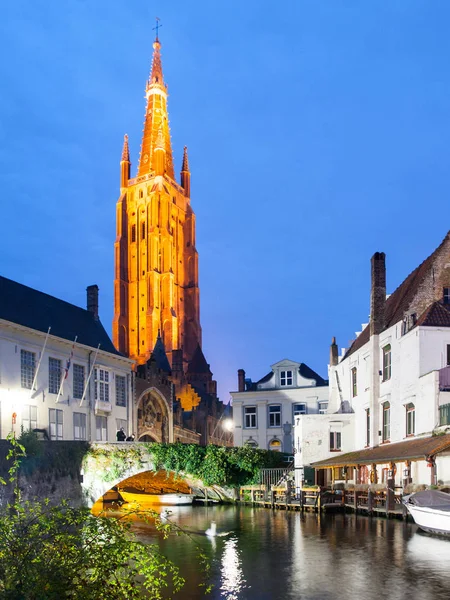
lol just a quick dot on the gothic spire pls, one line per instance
(156, 75)
(125, 150)
(185, 174)
(156, 123)
(185, 165)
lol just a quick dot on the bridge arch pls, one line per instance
(154, 417)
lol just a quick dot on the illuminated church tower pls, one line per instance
(156, 262)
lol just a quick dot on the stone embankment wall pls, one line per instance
(81, 473)
(51, 470)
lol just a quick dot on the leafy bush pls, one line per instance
(215, 465)
(50, 553)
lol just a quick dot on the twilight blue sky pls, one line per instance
(317, 131)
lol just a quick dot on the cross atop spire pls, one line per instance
(157, 26)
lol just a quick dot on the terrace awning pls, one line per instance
(415, 449)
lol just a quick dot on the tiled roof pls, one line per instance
(436, 315)
(25, 306)
(399, 301)
(308, 373)
(266, 378)
(415, 449)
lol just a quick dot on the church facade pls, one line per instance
(156, 290)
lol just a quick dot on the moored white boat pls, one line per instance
(430, 510)
(144, 499)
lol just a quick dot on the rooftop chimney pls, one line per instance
(241, 380)
(378, 293)
(92, 300)
(334, 353)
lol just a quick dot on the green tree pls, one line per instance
(49, 553)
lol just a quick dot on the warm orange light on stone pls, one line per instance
(156, 262)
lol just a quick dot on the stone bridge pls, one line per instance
(81, 472)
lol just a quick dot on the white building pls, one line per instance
(264, 411)
(396, 378)
(59, 371)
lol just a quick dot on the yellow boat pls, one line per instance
(142, 498)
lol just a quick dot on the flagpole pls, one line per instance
(66, 370)
(39, 363)
(89, 377)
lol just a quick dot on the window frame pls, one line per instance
(57, 425)
(335, 441)
(387, 362)
(277, 445)
(249, 414)
(386, 422)
(54, 374)
(285, 378)
(27, 368)
(354, 375)
(81, 426)
(103, 430)
(446, 295)
(296, 413)
(444, 415)
(102, 381)
(368, 427)
(321, 403)
(28, 408)
(76, 383)
(123, 401)
(275, 414)
(410, 411)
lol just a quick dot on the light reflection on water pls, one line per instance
(269, 555)
(232, 576)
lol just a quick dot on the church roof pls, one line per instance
(198, 363)
(400, 300)
(159, 356)
(28, 307)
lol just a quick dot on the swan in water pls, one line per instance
(164, 514)
(211, 531)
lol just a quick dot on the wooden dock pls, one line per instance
(385, 503)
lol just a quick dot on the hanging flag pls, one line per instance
(69, 360)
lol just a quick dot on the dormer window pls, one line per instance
(446, 295)
(285, 378)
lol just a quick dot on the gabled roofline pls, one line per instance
(69, 343)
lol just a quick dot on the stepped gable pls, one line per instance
(400, 300)
(28, 307)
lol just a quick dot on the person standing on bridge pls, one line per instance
(121, 435)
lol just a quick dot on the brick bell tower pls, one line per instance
(156, 262)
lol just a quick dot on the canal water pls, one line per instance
(260, 554)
